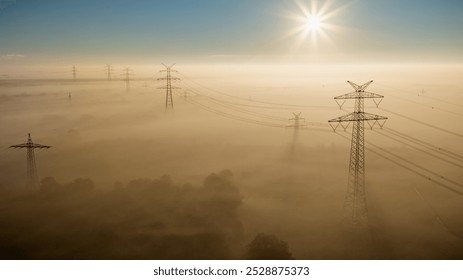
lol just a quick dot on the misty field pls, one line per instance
(125, 179)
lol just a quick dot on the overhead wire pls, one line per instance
(429, 146)
(418, 166)
(231, 106)
(234, 117)
(432, 209)
(419, 149)
(419, 103)
(244, 119)
(253, 101)
(423, 123)
(235, 108)
(447, 187)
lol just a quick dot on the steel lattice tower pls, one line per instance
(298, 123)
(74, 72)
(169, 87)
(355, 202)
(108, 70)
(31, 166)
(127, 71)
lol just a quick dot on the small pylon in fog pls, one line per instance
(31, 166)
(127, 73)
(168, 78)
(298, 121)
(74, 72)
(184, 95)
(108, 70)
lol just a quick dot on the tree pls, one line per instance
(268, 247)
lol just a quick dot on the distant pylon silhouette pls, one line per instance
(298, 123)
(355, 206)
(108, 70)
(74, 72)
(169, 87)
(127, 74)
(31, 166)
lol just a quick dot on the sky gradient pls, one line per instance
(122, 31)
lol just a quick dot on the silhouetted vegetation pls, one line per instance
(268, 247)
(146, 219)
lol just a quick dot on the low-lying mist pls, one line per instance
(126, 179)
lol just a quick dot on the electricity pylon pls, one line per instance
(127, 78)
(298, 123)
(168, 78)
(74, 72)
(108, 70)
(355, 207)
(31, 167)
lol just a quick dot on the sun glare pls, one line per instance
(313, 23)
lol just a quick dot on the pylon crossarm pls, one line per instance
(372, 117)
(41, 147)
(367, 94)
(33, 146)
(171, 87)
(356, 95)
(171, 78)
(360, 87)
(354, 85)
(359, 116)
(350, 95)
(365, 85)
(20, 146)
(346, 118)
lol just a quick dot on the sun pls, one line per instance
(313, 23)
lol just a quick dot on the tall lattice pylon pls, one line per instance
(355, 206)
(31, 166)
(168, 78)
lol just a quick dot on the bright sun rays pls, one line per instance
(314, 23)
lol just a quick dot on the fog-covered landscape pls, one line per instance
(231, 130)
(126, 179)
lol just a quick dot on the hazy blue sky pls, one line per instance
(113, 30)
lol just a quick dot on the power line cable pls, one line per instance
(424, 123)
